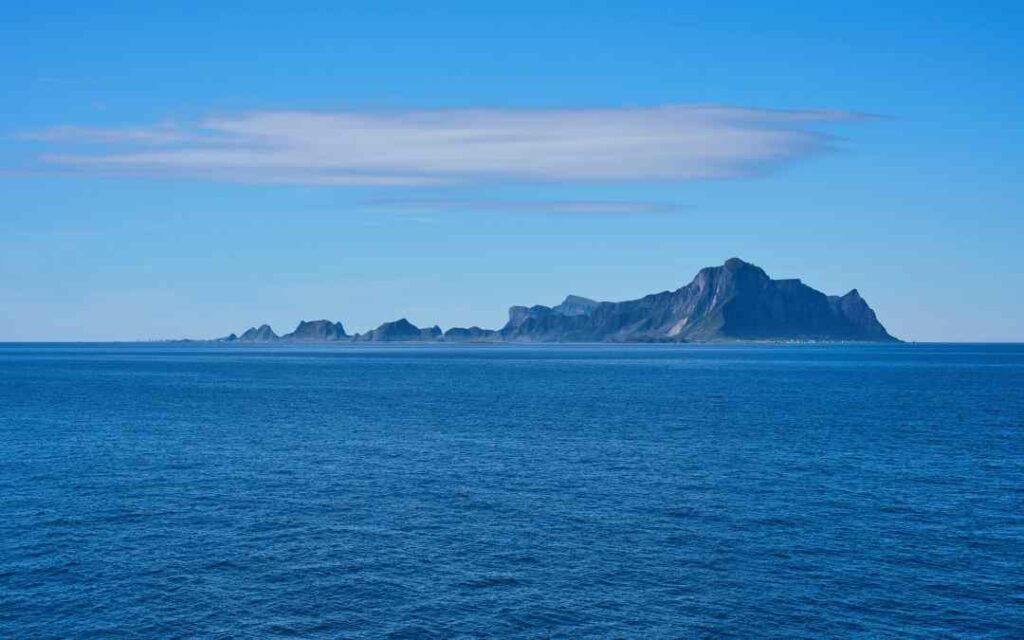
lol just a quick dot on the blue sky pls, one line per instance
(196, 170)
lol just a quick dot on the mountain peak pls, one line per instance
(263, 334)
(401, 330)
(317, 330)
(576, 306)
(734, 272)
(734, 301)
(574, 299)
(735, 265)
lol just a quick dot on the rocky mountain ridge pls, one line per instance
(736, 301)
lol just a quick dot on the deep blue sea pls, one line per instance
(193, 491)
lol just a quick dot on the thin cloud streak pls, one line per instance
(537, 206)
(156, 135)
(453, 146)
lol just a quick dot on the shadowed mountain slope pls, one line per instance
(735, 301)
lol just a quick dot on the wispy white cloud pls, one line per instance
(539, 206)
(451, 146)
(155, 135)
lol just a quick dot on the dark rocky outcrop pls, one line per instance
(736, 301)
(317, 331)
(263, 334)
(401, 331)
(462, 334)
(431, 333)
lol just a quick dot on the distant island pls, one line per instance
(733, 302)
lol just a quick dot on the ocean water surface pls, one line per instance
(805, 491)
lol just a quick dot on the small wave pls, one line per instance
(490, 581)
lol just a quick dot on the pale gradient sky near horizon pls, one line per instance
(192, 171)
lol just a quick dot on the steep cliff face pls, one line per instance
(855, 309)
(317, 331)
(736, 301)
